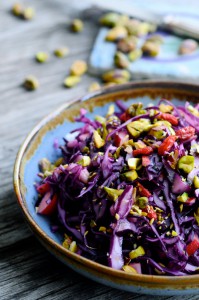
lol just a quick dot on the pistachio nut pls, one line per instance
(28, 13)
(135, 54)
(31, 83)
(127, 44)
(77, 25)
(187, 47)
(98, 141)
(156, 38)
(42, 57)
(17, 10)
(121, 60)
(137, 252)
(150, 49)
(78, 68)
(61, 52)
(94, 86)
(116, 33)
(113, 194)
(116, 76)
(186, 163)
(71, 81)
(109, 19)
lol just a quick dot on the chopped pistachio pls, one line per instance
(95, 86)
(130, 175)
(61, 52)
(109, 19)
(137, 252)
(156, 38)
(121, 60)
(183, 198)
(150, 49)
(196, 182)
(133, 163)
(42, 57)
(67, 241)
(135, 54)
(117, 216)
(196, 215)
(186, 163)
(28, 13)
(129, 269)
(158, 133)
(71, 81)
(31, 83)
(136, 109)
(102, 228)
(127, 44)
(73, 247)
(98, 141)
(174, 233)
(193, 110)
(116, 76)
(77, 25)
(85, 161)
(17, 9)
(165, 108)
(113, 194)
(78, 68)
(116, 33)
(132, 27)
(142, 202)
(181, 207)
(137, 127)
(188, 46)
(111, 110)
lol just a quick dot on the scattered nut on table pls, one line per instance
(42, 57)
(78, 68)
(71, 81)
(188, 46)
(77, 25)
(116, 76)
(61, 52)
(31, 83)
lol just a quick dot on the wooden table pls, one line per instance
(27, 270)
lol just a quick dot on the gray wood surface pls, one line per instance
(27, 270)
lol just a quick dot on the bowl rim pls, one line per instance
(163, 279)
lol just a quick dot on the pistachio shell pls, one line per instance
(150, 49)
(77, 25)
(61, 52)
(135, 54)
(95, 86)
(42, 57)
(109, 19)
(31, 83)
(28, 13)
(121, 60)
(188, 46)
(78, 68)
(17, 9)
(127, 44)
(116, 33)
(116, 76)
(71, 81)
(156, 38)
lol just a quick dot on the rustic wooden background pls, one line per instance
(27, 270)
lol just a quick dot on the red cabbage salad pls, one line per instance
(125, 191)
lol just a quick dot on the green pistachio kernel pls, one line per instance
(133, 163)
(121, 60)
(137, 252)
(17, 10)
(157, 132)
(85, 161)
(186, 163)
(130, 175)
(71, 81)
(31, 83)
(61, 52)
(116, 33)
(109, 19)
(116, 76)
(150, 49)
(73, 247)
(137, 127)
(183, 198)
(142, 202)
(196, 182)
(98, 141)
(28, 13)
(113, 194)
(42, 57)
(135, 54)
(136, 109)
(44, 165)
(77, 25)
(129, 269)
(78, 68)
(174, 233)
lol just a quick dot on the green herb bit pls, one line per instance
(186, 163)
(77, 25)
(137, 252)
(61, 52)
(113, 194)
(31, 83)
(71, 81)
(42, 57)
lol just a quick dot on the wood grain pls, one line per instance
(27, 271)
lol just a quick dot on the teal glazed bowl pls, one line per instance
(39, 144)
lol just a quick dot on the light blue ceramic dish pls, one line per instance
(39, 144)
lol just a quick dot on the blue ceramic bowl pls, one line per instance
(39, 144)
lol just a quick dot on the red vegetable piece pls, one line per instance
(43, 188)
(167, 145)
(145, 161)
(120, 138)
(193, 246)
(143, 191)
(185, 133)
(143, 151)
(168, 117)
(151, 214)
(124, 117)
(47, 205)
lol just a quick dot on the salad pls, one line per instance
(125, 191)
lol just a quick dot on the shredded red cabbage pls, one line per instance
(125, 191)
